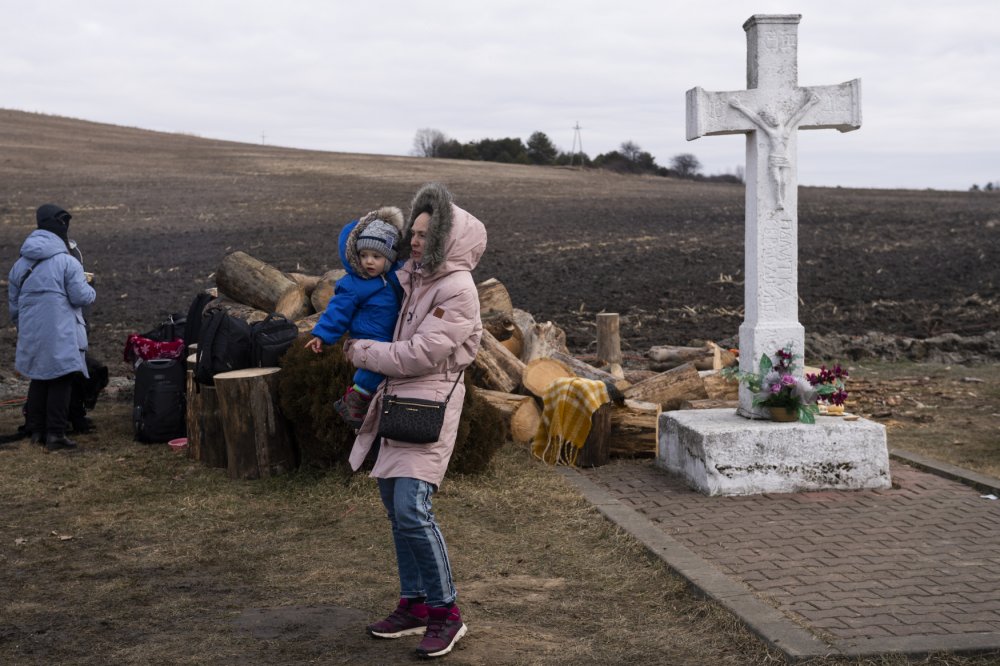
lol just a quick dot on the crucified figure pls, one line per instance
(777, 134)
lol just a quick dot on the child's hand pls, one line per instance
(315, 345)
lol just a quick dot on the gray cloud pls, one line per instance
(363, 77)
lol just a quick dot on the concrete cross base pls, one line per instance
(721, 453)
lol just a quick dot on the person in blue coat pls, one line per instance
(47, 291)
(366, 301)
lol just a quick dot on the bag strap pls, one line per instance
(454, 385)
(32, 267)
(214, 322)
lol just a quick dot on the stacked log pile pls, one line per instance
(517, 360)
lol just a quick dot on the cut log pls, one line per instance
(634, 375)
(502, 327)
(307, 282)
(494, 301)
(595, 451)
(495, 367)
(254, 282)
(247, 313)
(542, 341)
(541, 372)
(634, 429)
(258, 441)
(192, 411)
(668, 389)
(615, 370)
(307, 324)
(708, 357)
(206, 442)
(609, 342)
(323, 291)
(515, 342)
(587, 371)
(718, 387)
(522, 412)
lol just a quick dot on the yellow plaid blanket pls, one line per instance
(569, 406)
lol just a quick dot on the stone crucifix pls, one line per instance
(769, 112)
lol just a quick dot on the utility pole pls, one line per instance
(577, 145)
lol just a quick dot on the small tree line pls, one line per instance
(539, 149)
(988, 187)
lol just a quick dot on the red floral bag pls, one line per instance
(139, 348)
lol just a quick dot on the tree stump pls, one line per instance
(206, 442)
(258, 440)
(609, 342)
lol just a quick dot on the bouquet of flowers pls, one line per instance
(775, 385)
(835, 377)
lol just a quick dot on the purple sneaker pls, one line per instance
(409, 619)
(444, 628)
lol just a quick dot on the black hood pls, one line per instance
(53, 218)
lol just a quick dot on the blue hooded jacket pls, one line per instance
(46, 304)
(364, 307)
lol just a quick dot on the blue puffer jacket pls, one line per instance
(47, 308)
(364, 307)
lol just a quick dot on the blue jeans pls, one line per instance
(421, 555)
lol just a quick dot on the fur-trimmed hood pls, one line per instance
(350, 258)
(456, 240)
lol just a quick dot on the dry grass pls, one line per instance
(132, 554)
(948, 412)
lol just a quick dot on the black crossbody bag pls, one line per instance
(413, 420)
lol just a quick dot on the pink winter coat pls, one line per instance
(438, 336)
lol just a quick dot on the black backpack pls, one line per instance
(160, 402)
(170, 329)
(192, 323)
(223, 345)
(270, 339)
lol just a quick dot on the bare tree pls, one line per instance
(428, 142)
(685, 165)
(630, 150)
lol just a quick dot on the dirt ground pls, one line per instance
(168, 562)
(155, 214)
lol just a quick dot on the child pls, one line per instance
(366, 301)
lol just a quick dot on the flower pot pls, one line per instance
(784, 414)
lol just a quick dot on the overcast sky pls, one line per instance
(365, 75)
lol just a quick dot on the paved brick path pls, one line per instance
(914, 569)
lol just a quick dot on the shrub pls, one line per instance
(482, 430)
(310, 383)
(307, 388)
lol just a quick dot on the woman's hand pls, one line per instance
(315, 345)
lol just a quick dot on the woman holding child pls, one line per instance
(437, 337)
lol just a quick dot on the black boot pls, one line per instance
(60, 443)
(82, 425)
